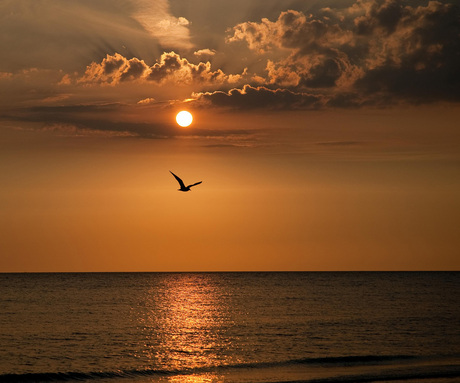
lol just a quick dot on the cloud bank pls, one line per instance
(374, 52)
(116, 68)
(113, 120)
(260, 97)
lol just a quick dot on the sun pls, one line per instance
(184, 118)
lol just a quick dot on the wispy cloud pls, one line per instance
(114, 120)
(155, 16)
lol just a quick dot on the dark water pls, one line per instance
(230, 327)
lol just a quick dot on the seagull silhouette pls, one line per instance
(182, 185)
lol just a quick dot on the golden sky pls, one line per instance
(325, 133)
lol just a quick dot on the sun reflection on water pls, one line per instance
(184, 321)
(202, 378)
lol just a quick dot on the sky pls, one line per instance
(326, 135)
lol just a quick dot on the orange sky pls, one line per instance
(333, 153)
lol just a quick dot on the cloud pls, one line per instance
(6, 75)
(375, 51)
(114, 120)
(79, 130)
(314, 58)
(30, 86)
(146, 101)
(292, 30)
(155, 16)
(114, 69)
(205, 52)
(57, 35)
(171, 67)
(416, 54)
(85, 120)
(259, 97)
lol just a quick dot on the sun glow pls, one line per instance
(184, 118)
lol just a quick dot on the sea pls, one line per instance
(249, 327)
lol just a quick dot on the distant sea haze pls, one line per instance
(230, 327)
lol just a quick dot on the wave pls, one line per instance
(436, 368)
(423, 373)
(338, 361)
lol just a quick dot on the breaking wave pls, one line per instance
(398, 368)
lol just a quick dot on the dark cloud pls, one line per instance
(107, 120)
(421, 57)
(84, 120)
(348, 100)
(260, 97)
(385, 16)
(374, 52)
(324, 75)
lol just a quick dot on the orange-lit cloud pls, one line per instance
(170, 68)
(204, 52)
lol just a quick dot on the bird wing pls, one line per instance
(181, 183)
(189, 186)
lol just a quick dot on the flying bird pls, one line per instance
(182, 185)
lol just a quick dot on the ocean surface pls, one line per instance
(230, 327)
